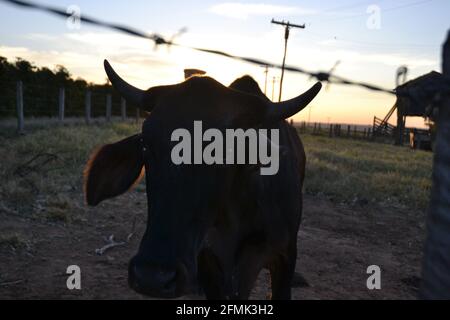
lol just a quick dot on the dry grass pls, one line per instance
(344, 170)
(51, 187)
(13, 240)
(363, 172)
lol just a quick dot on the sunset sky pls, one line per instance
(410, 33)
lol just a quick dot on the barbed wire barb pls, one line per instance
(160, 40)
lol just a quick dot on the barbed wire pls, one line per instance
(160, 40)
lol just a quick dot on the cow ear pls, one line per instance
(113, 169)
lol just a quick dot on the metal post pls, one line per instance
(436, 264)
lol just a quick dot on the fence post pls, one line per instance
(62, 97)
(348, 131)
(88, 106)
(123, 108)
(138, 115)
(108, 107)
(369, 133)
(435, 270)
(19, 107)
(355, 133)
(315, 128)
(331, 131)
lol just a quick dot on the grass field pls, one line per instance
(343, 170)
(364, 204)
(362, 172)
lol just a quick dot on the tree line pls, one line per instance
(41, 91)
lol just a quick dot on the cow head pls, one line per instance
(184, 201)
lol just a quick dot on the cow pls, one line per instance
(210, 228)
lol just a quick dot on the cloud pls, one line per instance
(243, 11)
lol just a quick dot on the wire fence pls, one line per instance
(436, 271)
(50, 106)
(160, 40)
(30, 101)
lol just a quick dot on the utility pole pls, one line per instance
(266, 72)
(309, 114)
(287, 26)
(274, 80)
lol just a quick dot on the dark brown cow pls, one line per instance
(213, 226)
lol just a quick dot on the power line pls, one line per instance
(159, 40)
(375, 44)
(287, 27)
(384, 10)
(349, 6)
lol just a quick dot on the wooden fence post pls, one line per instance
(138, 115)
(123, 109)
(87, 103)
(19, 107)
(108, 107)
(331, 131)
(436, 263)
(348, 131)
(62, 98)
(315, 128)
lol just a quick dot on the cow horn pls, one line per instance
(131, 94)
(286, 109)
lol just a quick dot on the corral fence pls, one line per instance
(351, 131)
(333, 130)
(89, 105)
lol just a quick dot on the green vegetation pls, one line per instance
(12, 240)
(41, 91)
(354, 171)
(41, 172)
(350, 171)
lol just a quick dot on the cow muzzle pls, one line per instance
(157, 281)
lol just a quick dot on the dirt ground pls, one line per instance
(336, 245)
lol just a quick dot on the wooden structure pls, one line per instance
(414, 98)
(420, 139)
